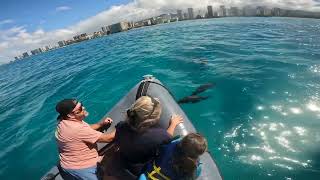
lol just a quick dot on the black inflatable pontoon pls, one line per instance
(152, 87)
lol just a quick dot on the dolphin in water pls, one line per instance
(192, 99)
(203, 88)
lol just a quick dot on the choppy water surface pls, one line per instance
(262, 119)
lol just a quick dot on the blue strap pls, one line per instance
(199, 168)
(142, 177)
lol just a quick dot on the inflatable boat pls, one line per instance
(152, 87)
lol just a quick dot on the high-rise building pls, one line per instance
(210, 12)
(47, 48)
(106, 30)
(223, 11)
(81, 37)
(263, 11)
(36, 51)
(190, 13)
(248, 11)
(276, 12)
(234, 11)
(25, 54)
(180, 17)
(185, 15)
(62, 43)
(119, 27)
(267, 11)
(260, 11)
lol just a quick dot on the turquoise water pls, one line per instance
(262, 119)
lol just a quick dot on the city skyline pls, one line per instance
(17, 38)
(220, 12)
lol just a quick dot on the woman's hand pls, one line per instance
(175, 120)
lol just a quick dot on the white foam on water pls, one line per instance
(234, 132)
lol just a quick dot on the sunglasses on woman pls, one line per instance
(155, 103)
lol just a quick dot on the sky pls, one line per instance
(30, 24)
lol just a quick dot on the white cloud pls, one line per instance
(16, 40)
(6, 21)
(63, 8)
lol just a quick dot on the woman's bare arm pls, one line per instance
(175, 120)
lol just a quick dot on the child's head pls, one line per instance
(193, 145)
(187, 154)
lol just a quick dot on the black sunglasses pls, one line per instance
(80, 109)
(155, 104)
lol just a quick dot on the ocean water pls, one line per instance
(262, 119)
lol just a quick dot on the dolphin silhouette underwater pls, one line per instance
(194, 98)
(203, 88)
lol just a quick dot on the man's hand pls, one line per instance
(102, 123)
(106, 121)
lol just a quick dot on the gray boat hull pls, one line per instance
(209, 170)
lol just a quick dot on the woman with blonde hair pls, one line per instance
(140, 135)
